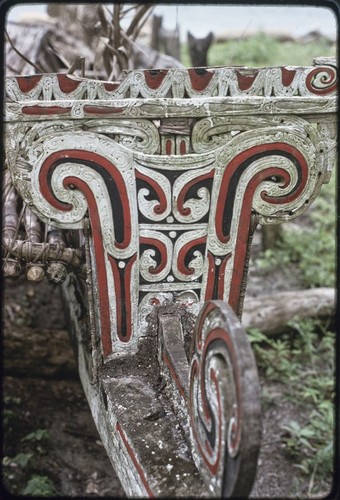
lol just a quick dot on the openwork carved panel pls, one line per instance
(173, 172)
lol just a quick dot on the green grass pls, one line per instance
(40, 486)
(262, 50)
(310, 247)
(22, 472)
(303, 362)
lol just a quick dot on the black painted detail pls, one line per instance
(112, 189)
(234, 181)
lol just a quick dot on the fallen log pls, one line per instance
(272, 313)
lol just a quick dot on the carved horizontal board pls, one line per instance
(256, 91)
(319, 80)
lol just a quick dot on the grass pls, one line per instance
(22, 471)
(40, 486)
(307, 355)
(305, 363)
(304, 360)
(262, 50)
(312, 247)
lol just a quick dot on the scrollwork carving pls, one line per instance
(190, 249)
(191, 193)
(139, 135)
(320, 79)
(256, 142)
(224, 408)
(154, 194)
(156, 255)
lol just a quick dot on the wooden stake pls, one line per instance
(32, 226)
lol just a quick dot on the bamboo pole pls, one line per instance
(32, 226)
(35, 270)
(73, 257)
(56, 271)
(10, 222)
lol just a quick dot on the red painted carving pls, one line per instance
(111, 86)
(221, 355)
(183, 253)
(184, 191)
(159, 245)
(102, 110)
(27, 83)
(182, 148)
(93, 159)
(169, 146)
(328, 81)
(287, 76)
(162, 206)
(122, 283)
(45, 110)
(174, 168)
(154, 78)
(97, 236)
(67, 84)
(200, 78)
(245, 81)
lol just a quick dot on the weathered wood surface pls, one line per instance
(272, 313)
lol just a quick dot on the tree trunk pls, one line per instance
(155, 32)
(271, 236)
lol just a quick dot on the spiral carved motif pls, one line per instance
(71, 181)
(322, 80)
(224, 402)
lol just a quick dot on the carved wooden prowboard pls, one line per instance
(166, 174)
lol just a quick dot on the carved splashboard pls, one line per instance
(173, 168)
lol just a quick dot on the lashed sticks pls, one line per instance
(51, 257)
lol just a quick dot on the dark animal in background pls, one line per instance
(198, 49)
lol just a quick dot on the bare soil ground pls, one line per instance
(72, 456)
(47, 395)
